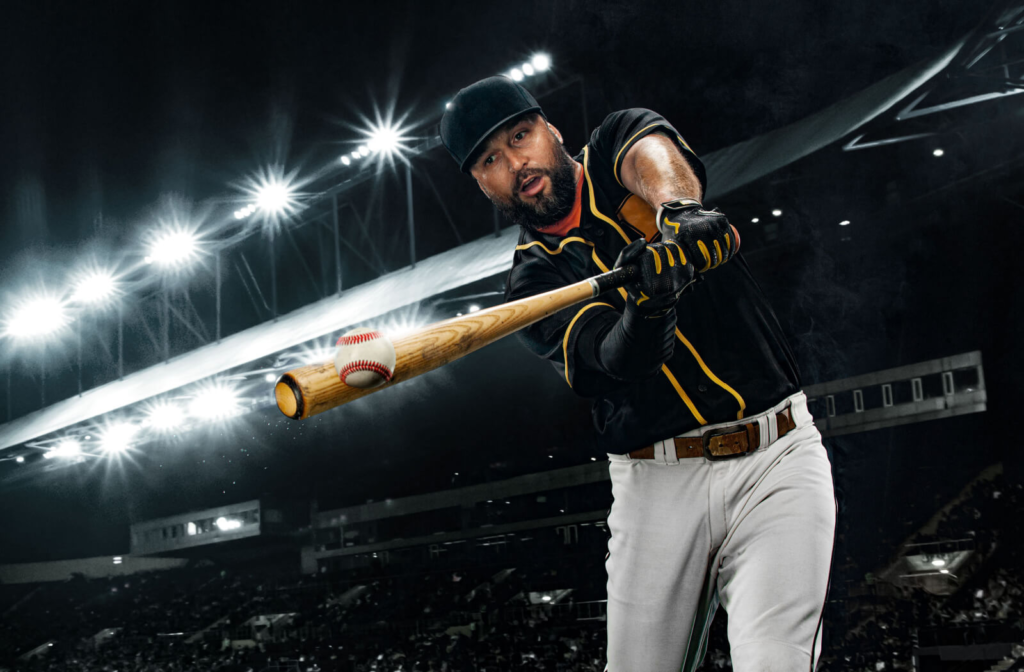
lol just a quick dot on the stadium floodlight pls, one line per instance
(845, 222)
(938, 562)
(118, 437)
(274, 196)
(95, 287)
(346, 159)
(540, 62)
(383, 139)
(776, 213)
(937, 152)
(516, 74)
(755, 220)
(215, 401)
(473, 308)
(165, 416)
(35, 317)
(173, 247)
(65, 448)
(527, 69)
(270, 377)
(19, 459)
(355, 154)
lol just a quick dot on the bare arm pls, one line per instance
(654, 169)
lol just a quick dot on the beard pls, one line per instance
(544, 209)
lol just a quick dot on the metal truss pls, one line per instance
(989, 67)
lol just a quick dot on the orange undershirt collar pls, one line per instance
(572, 220)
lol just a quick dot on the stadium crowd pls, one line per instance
(484, 617)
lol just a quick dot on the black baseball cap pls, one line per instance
(477, 111)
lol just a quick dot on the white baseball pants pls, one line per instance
(753, 533)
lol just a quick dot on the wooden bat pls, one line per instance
(314, 389)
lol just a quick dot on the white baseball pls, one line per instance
(365, 358)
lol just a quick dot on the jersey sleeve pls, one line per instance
(620, 130)
(571, 334)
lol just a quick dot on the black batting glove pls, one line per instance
(664, 274)
(706, 236)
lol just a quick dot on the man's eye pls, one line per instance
(519, 135)
(489, 160)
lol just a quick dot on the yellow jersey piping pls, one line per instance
(593, 201)
(683, 395)
(718, 381)
(561, 245)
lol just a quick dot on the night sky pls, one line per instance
(105, 110)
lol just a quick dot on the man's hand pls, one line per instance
(664, 274)
(707, 237)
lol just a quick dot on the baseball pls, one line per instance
(365, 358)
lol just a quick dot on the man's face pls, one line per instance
(526, 172)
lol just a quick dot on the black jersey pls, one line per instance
(731, 359)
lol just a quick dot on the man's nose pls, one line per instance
(516, 161)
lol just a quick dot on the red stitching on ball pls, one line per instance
(358, 338)
(365, 365)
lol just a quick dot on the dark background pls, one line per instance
(105, 111)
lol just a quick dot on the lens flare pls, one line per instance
(36, 316)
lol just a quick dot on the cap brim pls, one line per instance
(471, 154)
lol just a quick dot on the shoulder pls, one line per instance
(620, 130)
(544, 262)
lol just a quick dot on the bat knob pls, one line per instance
(289, 397)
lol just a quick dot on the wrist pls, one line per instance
(637, 314)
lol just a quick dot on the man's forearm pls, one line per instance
(654, 169)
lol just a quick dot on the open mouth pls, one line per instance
(532, 185)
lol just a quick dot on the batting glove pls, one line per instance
(706, 236)
(664, 274)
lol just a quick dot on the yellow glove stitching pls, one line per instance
(707, 256)
(657, 261)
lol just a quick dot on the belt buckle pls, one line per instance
(706, 443)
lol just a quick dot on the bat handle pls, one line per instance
(614, 279)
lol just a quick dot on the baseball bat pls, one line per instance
(313, 389)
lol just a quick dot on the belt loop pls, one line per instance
(762, 426)
(773, 427)
(659, 452)
(670, 451)
(798, 410)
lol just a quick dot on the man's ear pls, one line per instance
(555, 132)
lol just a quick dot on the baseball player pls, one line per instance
(722, 488)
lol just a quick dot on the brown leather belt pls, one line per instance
(718, 444)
